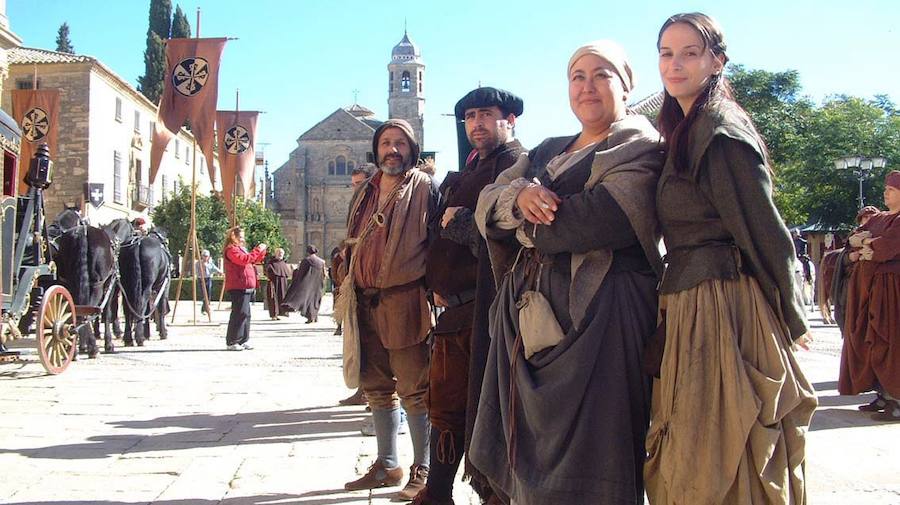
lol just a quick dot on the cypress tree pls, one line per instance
(63, 44)
(160, 24)
(161, 18)
(181, 29)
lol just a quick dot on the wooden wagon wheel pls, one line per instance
(56, 339)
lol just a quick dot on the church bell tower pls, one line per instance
(406, 87)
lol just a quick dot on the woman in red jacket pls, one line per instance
(240, 282)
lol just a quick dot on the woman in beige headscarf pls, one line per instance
(573, 223)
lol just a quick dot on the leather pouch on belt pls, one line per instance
(537, 323)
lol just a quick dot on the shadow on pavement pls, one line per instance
(256, 500)
(205, 430)
(310, 498)
(834, 418)
(825, 386)
(830, 419)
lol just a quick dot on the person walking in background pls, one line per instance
(241, 284)
(206, 267)
(870, 358)
(731, 407)
(305, 294)
(278, 272)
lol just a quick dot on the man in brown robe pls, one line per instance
(389, 234)
(278, 272)
(870, 358)
(305, 294)
(453, 276)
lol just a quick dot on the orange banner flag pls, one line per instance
(236, 133)
(36, 111)
(190, 93)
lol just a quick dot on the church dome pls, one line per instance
(405, 51)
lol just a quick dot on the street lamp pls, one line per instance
(861, 168)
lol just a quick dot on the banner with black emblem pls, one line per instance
(36, 111)
(190, 93)
(236, 133)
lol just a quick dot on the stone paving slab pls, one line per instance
(184, 422)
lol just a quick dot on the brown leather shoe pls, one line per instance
(418, 474)
(357, 398)
(377, 476)
(423, 498)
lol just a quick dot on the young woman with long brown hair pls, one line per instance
(731, 407)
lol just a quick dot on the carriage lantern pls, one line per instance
(41, 170)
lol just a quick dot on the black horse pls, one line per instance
(119, 232)
(144, 264)
(86, 267)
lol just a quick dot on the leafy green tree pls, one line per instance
(260, 224)
(174, 215)
(181, 29)
(804, 140)
(842, 126)
(160, 24)
(63, 44)
(773, 102)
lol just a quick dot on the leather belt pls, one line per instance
(459, 298)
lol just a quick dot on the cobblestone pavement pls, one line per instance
(184, 421)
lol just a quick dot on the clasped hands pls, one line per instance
(538, 204)
(861, 241)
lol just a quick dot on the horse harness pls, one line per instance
(135, 241)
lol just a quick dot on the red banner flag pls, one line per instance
(236, 132)
(190, 93)
(36, 111)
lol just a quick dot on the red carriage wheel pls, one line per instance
(55, 335)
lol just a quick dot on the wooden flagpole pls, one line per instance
(191, 246)
(232, 219)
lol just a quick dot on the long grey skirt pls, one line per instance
(568, 425)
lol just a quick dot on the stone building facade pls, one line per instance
(312, 189)
(105, 128)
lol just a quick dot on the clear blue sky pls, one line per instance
(299, 60)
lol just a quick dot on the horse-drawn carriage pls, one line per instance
(28, 274)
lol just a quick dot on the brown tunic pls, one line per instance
(278, 272)
(369, 264)
(391, 260)
(871, 352)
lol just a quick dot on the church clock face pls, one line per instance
(35, 124)
(237, 140)
(190, 76)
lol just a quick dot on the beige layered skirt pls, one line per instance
(731, 408)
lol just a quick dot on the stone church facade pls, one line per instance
(312, 189)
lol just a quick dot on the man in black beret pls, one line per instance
(458, 272)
